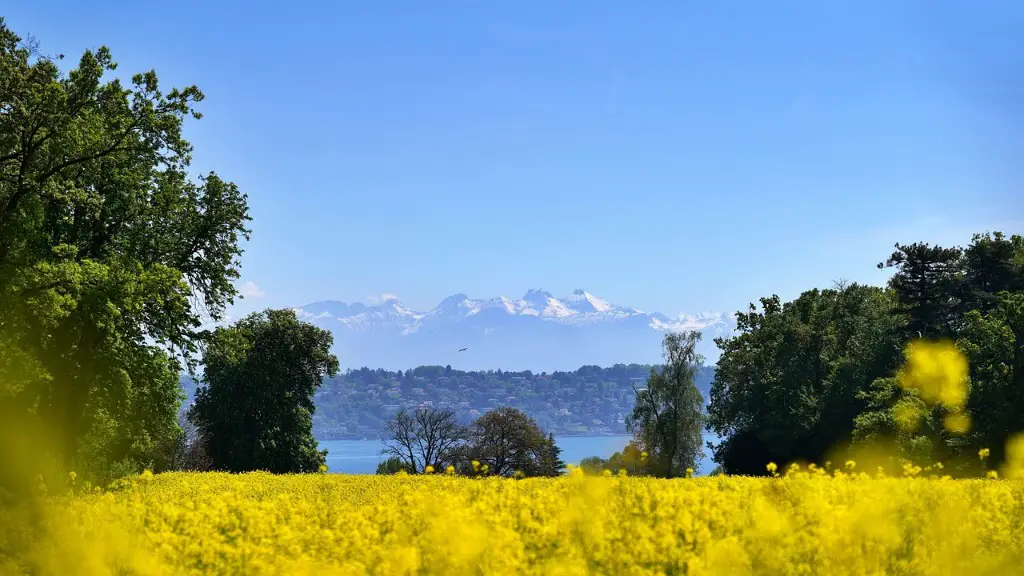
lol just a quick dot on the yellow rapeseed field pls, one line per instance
(803, 523)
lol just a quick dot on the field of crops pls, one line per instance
(325, 524)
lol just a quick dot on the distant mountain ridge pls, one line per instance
(535, 332)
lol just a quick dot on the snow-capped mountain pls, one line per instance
(537, 332)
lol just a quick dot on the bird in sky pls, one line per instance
(463, 349)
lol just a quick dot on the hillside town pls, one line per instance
(588, 401)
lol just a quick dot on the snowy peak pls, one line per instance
(586, 303)
(579, 307)
(537, 331)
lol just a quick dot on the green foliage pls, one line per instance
(805, 377)
(110, 257)
(255, 408)
(510, 443)
(787, 385)
(632, 460)
(668, 417)
(392, 465)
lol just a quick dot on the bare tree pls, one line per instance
(424, 437)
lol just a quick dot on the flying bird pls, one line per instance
(463, 349)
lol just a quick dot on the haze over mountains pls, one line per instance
(536, 332)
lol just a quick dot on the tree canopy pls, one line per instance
(811, 377)
(255, 408)
(111, 257)
(511, 443)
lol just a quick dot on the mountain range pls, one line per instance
(536, 332)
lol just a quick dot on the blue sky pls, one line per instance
(665, 155)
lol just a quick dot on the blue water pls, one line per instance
(362, 456)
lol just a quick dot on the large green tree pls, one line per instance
(510, 443)
(788, 384)
(668, 417)
(111, 257)
(254, 410)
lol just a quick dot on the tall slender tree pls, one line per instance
(668, 417)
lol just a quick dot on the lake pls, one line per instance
(362, 456)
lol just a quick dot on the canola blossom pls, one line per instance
(805, 522)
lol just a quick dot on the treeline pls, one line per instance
(590, 400)
(804, 379)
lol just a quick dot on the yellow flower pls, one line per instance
(428, 470)
(957, 423)
(476, 465)
(850, 464)
(450, 469)
(984, 453)
(772, 467)
(993, 475)
(72, 476)
(937, 371)
(643, 455)
(263, 523)
(689, 472)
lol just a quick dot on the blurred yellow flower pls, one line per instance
(957, 423)
(259, 523)
(937, 371)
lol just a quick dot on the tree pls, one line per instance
(631, 460)
(993, 264)
(550, 461)
(255, 406)
(994, 346)
(392, 465)
(982, 306)
(111, 258)
(511, 443)
(789, 384)
(667, 418)
(424, 437)
(925, 283)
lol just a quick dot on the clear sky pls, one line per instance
(673, 156)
